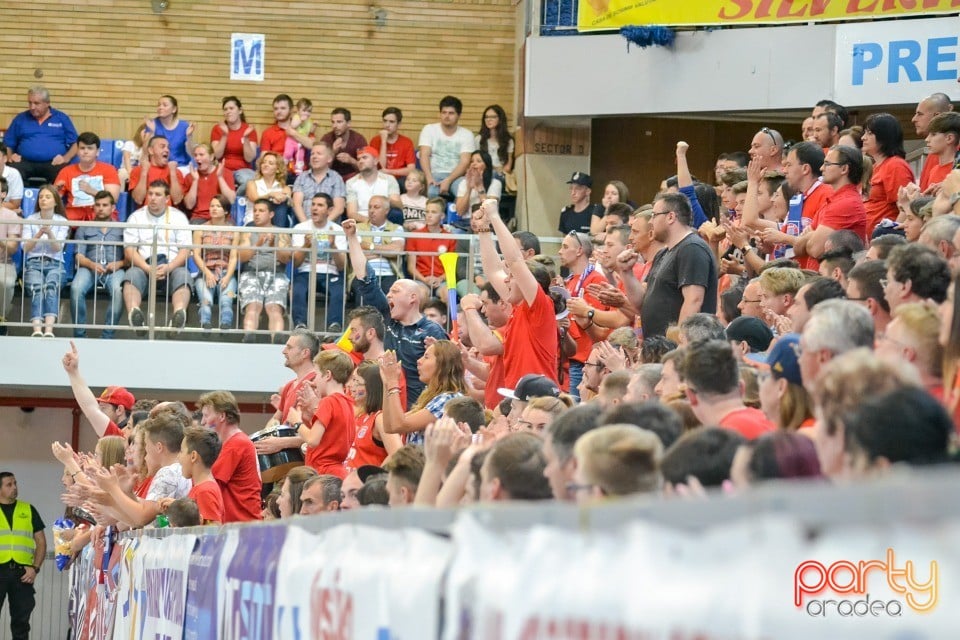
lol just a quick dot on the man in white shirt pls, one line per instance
(319, 230)
(445, 149)
(171, 259)
(370, 182)
(14, 182)
(381, 251)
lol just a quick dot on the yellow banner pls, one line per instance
(613, 14)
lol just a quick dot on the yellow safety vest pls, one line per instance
(16, 540)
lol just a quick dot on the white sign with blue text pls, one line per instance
(897, 61)
(247, 56)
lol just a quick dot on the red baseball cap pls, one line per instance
(373, 151)
(119, 396)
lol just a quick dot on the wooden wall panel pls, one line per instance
(107, 61)
(642, 151)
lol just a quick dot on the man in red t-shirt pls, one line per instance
(330, 429)
(79, 183)
(397, 155)
(928, 109)
(235, 469)
(299, 351)
(843, 208)
(531, 344)
(156, 161)
(106, 414)
(802, 169)
(713, 388)
(208, 179)
(943, 138)
(576, 252)
(488, 337)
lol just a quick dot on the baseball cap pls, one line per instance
(581, 178)
(367, 471)
(560, 296)
(751, 330)
(373, 151)
(532, 385)
(119, 396)
(783, 361)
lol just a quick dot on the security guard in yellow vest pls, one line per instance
(23, 547)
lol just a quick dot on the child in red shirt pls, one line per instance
(423, 265)
(198, 452)
(324, 417)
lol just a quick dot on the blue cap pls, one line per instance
(783, 360)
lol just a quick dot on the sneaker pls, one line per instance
(335, 327)
(278, 338)
(249, 338)
(179, 320)
(49, 334)
(206, 326)
(37, 334)
(136, 321)
(300, 325)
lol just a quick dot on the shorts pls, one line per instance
(265, 287)
(175, 279)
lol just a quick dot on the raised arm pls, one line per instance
(81, 392)
(751, 208)
(493, 267)
(368, 287)
(519, 271)
(685, 184)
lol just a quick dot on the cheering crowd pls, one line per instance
(793, 319)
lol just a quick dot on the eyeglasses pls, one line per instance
(827, 163)
(576, 236)
(660, 213)
(598, 365)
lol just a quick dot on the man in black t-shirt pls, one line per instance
(577, 215)
(683, 277)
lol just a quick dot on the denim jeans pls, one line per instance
(576, 375)
(433, 192)
(83, 282)
(42, 277)
(225, 298)
(331, 285)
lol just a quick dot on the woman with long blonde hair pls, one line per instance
(441, 369)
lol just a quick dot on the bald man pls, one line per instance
(927, 108)
(406, 328)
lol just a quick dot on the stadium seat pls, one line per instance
(123, 206)
(110, 152)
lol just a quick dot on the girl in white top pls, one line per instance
(43, 249)
(414, 201)
(478, 184)
(270, 182)
(495, 139)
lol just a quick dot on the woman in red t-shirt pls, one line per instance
(234, 142)
(883, 141)
(371, 444)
